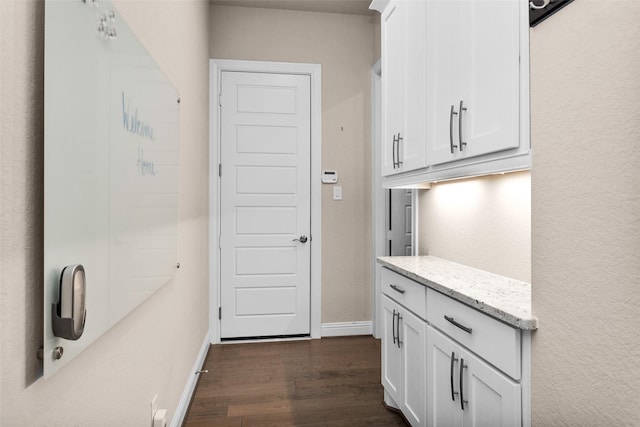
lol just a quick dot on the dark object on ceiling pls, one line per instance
(536, 16)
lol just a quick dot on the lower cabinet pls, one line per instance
(403, 360)
(445, 364)
(463, 390)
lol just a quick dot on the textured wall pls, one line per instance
(153, 349)
(483, 222)
(585, 127)
(344, 45)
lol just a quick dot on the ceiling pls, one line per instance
(353, 7)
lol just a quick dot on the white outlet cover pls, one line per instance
(337, 192)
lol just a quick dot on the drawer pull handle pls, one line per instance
(462, 401)
(399, 319)
(393, 326)
(451, 145)
(393, 151)
(397, 289)
(453, 360)
(462, 108)
(452, 320)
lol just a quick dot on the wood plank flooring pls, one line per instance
(326, 382)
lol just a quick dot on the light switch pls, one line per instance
(337, 192)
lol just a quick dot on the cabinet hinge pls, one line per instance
(219, 313)
(220, 170)
(220, 99)
(219, 242)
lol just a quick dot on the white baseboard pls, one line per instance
(183, 405)
(340, 329)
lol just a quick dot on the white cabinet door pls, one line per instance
(413, 333)
(391, 352)
(413, 145)
(463, 390)
(491, 77)
(403, 86)
(473, 78)
(403, 360)
(443, 78)
(443, 393)
(492, 399)
(393, 22)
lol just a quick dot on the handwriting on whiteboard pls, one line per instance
(145, 167)
(133, 124)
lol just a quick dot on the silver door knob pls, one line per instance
(301, 239)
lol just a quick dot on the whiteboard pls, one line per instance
(110, 168)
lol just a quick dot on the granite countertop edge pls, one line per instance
(479, 303)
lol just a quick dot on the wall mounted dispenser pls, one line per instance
(69, 313)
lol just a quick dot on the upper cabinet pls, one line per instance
(473, 78)
(403, 86)
(455, 89)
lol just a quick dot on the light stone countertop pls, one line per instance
(505, 299)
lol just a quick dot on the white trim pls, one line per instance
(216, 66)
(185, 399)
(377, 194)
(341, 329)
(525, 381)
(415, 229)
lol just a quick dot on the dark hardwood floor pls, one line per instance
(326, 382)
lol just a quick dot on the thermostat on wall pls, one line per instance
(329, 177)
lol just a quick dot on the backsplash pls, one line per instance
(482, 222)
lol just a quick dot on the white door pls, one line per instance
(399, 222)
(265, 208)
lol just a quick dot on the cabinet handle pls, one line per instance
(400, 139)
(393, 326)
(399, 319)
(462, 401)
(452, 320)
(451, 114)
(393, 151)
(397, 289)
(462, 144)
(453, 360)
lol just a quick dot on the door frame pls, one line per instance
(216, 67)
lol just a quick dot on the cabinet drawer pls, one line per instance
(405, 291)
(494, 341)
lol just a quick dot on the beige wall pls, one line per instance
(481, 222)
(585, 127)
(344, 46)
(153, 349)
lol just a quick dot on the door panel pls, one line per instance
(442, 409)
(400, 222)
(492, 77)
(413, 332)
(493, 399)
(393, 81)
(391, 354)
(444, 76)
(265, 204)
